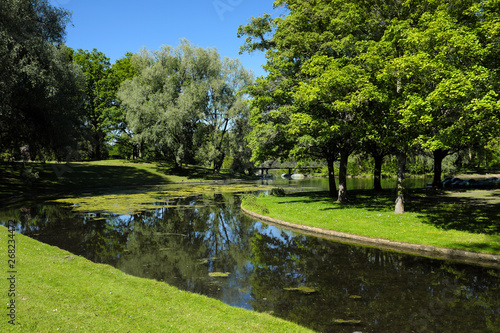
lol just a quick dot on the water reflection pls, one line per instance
(351, 288)
(382, 291)
(360, 183)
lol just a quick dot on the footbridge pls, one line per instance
(290, 165)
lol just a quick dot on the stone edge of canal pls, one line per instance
(434, 252)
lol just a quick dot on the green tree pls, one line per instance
(222, 110)
(278, 131)
(119, 134)
(446, 77)
(39, 89)
(185, 103)
(102, 114)
(315, 80)
(374, 72)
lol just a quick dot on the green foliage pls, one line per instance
(359, 165)
(278, 192)
(123, 147)
(29, 175)
(39, 89)
(100, 99)
(386, 81)
(493, 152)
(228, 162)
(184, 104)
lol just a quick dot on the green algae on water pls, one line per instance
(219, 274)
(302, 289)
(132, 201)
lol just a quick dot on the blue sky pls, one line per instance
(115, 27)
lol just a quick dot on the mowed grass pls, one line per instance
(58, 291)
(450, 220)
(61, 177)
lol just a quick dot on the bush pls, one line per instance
(29, 175)
(278, 192)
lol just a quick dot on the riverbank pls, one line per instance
(58, 291)
(53, 178)
(447, 224)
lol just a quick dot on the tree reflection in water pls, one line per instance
(351, 288)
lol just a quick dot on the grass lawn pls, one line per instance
(58, 291)
(458, 220)
(59, 177)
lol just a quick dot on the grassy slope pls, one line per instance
(468, 224)
(59, 291)
(77, 175)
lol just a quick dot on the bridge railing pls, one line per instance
(290, 165)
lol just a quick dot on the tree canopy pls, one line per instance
(374, 75)
(39, 89)
(184, 103)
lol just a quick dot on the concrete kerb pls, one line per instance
(469, 257)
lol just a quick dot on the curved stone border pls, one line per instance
(478, 258)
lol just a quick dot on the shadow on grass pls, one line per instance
(201, 173)
(320, 196)
(474, 211)
(74, 177)
(492, 244)
(55, 177)
(98, 175)
(365, 199)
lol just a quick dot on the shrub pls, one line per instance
(278, 192)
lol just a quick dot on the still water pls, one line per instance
(349, 288)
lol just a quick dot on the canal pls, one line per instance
(204, 244)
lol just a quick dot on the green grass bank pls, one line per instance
(58, 291)
(467, 221)
(76, 176)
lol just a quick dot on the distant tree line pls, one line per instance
(378, 78)
(179, 105)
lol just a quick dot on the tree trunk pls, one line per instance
(219, 160)
(331, 176)
(377, 172)
(97, 147)
(134, 152)
(400, 209)
(439, 155)
(342, 196)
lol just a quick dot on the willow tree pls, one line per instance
(224, 112)
(185, 102)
